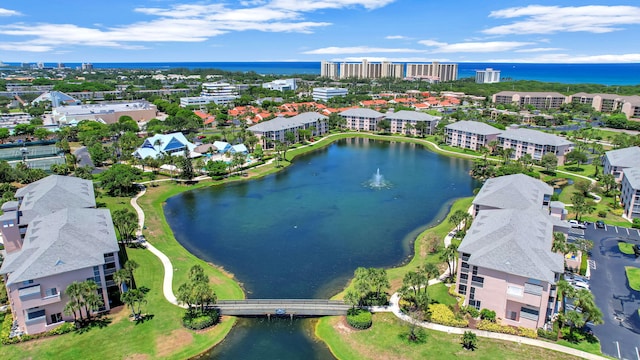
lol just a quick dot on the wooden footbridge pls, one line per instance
(282, 307)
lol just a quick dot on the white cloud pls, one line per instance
(335, 50)
(540, 49)
(552, 19)
(395, 37)
(24, 47)
(184, 23)
(487, 46)
(572, 59)
(7, 12)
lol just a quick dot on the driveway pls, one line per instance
(620, 334)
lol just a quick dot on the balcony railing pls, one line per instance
(532, 289)
(40, 301)
(526, 315)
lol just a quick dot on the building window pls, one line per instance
(462, 289)
(475, 304)
(475, 270)
(56, 318)
(528, 313)
(51, 292)
(27, 282)
(464, 277)
(477, 281)
(34, 314)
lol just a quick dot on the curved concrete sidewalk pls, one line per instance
(394, 308)
(167, 282)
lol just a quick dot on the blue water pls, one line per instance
(302, 232)
(606, 74)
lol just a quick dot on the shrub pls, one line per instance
(442, 314)
(486, 314)
(63, 329)
(505, 329)
(617, 212)
(602, 213)
(472, 311)
(469, 340)
(583, 264)
(547, 334)
(636, 223)
(359, 318)
(199, 321)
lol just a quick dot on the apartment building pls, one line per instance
(269, 132)
(412, 122)
(517, 191)
(608, 103)
(533, 142)
(329, 69)
(54, 235)
(630, 192)
(367, 70)
(434, 71)
(616, 161)
(487, 76)
(539, 100)
(506, 265)
(362, 119)
(470, 134)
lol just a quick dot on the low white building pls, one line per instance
(281, 85)
(616, 161)
(205, 100)
(326, 93)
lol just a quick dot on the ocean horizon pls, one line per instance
(604, 74)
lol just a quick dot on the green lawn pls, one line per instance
(384, 340)
(440, 292)
(633, 276)
(626, 248)
(160, 337)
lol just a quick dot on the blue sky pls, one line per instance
(561, 31)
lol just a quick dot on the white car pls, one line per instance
(577, 224)
(579, 285)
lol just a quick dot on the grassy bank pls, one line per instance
(385, 340)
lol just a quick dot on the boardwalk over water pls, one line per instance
(283, 307)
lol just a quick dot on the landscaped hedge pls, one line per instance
(441, 314)
(359, 319)
(505, 329)
(200, 321)
(6, 331)
(547, 334)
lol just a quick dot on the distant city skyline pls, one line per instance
(543, 31)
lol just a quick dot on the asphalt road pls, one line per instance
(620, 334)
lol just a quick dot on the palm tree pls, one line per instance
(74, 292)
(450, 255)
(158, 143)
(122, 277)
(92, 301)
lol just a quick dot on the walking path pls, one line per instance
(393, 307)
(167, 282)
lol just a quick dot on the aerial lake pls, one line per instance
(301, 233)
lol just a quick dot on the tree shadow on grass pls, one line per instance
(99, 323)
(574, 169)
(143, 318)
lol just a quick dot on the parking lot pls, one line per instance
(620, 334)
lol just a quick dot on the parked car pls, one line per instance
(577, 224)
(569, 276)
(579, 285)
(600, 224)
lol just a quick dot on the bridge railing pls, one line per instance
(280, 301)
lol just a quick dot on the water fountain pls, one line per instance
(378, 181)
